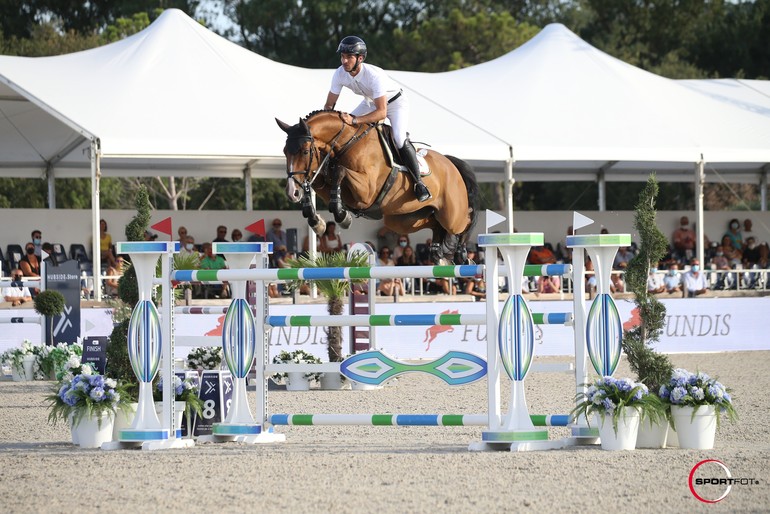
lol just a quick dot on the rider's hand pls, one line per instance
(347, 118)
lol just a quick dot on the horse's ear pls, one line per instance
(304, 125)
(284, 126)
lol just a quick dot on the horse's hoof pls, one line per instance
(320, 226)
(345, 222)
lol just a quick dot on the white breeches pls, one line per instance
(398, 115)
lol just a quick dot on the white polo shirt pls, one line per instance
(370, 82)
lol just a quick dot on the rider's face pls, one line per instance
(348, 61)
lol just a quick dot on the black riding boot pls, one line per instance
(409, 158)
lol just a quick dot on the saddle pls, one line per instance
(392, 153)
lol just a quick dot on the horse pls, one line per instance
(348, 167)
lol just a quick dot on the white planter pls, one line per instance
(652, 435)
(123, 421)
(73, 432)
(27, 369)
(628, 429)
(332, 382)
(91, 435)
(296, 381)
(672, 440)
(698, 431)
(178, 413)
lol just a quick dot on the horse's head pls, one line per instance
(300, 152)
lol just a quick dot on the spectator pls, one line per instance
(216, 262)
(105, 245)
(683, 239)
(51, 260)
(423, 253)
(751, 261)
(388, 286)
(541, 255)
(111, 284)
(221, 235)
(549, 284)
(622, 258)
(654, 282)
(331, 240)
(306, 244)
(403, 242)
(30, 265)
(277, 236)
(407, 258)
(149, 236)
(563, 253)
(720, 263)
(188, 247)
(734, 233)
(236, 236)
(17, 294)
(672, 280)
(764, 256)
(733, 253)
(387, 237)
(37, 240)
(182, 233)
(694, 281)
(747, 230)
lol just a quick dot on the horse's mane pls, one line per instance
(320, 111)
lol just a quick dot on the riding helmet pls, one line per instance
(352, 45)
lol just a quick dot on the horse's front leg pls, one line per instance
(341, 215)
(315, 221)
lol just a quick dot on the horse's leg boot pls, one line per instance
(409, 158)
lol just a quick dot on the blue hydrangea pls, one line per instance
(625, 384)
(678, 394)
(96, 381)
(697, 393)
(608, 404)
(664, 392)
(680, 377)
(70, 398)
(97, 394)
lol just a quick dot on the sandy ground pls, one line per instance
(386, 469)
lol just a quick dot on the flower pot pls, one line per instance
(73, 432)
(672, 440)
(27, 371)
(652, 434)
(332, 382)
(698, 431)
(91, 435)
(296, 381)
(123, 420)
(628, 428)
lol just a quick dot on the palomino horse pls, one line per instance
(348, 168)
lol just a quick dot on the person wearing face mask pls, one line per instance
(17, 294)
(188, 248)
(751, 261)
(398, 249)
(30, 265)
(721, 263)
(694, 281)
(683, 240)
(672, 281)
(654, 282)
(734, 233)
(37, 240)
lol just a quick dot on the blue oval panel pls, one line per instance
(239, 338)
(604, 334)
(144, 341)
(515, 337)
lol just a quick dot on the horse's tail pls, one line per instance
(472, 188)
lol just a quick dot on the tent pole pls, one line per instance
(509, 181)
(700, 179)
(95, 155)
(601, 184)
(51, 186)
(247, 184)
(763, 187)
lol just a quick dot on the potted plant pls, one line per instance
(651, 368)
(296, 380)
(89, 402)
(697, 403)
(335, 291)
(186, 398)
(618, 405)
(54, 360)
(49, 303)
(204, 357)
(24, 361)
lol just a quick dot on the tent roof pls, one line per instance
(174, 98)
(565, 106)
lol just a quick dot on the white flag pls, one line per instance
(493, 219)
(580, 221)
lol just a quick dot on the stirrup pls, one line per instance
(422, 192)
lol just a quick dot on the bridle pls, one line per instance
(315, 153)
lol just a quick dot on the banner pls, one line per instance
(65, 278)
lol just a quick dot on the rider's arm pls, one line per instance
(331, 100)
(379, 113)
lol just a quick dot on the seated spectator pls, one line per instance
(549, 284)
(387, 237)
(16, 293)
(683, 240)
(388, 286)
(51, 260)
(477, 288)
(182, 232)
(720, 263)
(734, 233)
(747, 232)
(672, 281)
(622, 258)
(330, 240)
(277, 236)
(563, 252)
(751, 261)
(403, 242)
(188, 248)
(221, 235)
(111, 284)
(654, 282)
(236, 236)
(590, 277)
(216, 262)
(407, 258)
(694, 281)
(37, 240)
(30, 265)
(732, 253)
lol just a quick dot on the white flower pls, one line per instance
(110, 383)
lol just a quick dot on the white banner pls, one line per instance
(692, 326)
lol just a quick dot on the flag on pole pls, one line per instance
(493, 219)
(163, 226)
(258, 228)
(580, 221)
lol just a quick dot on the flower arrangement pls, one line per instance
(184, 391)
(296, 357)
(83, 393)
(696, 390)
(15, 357)
(608, 396)
(56, 360)
(205, 357)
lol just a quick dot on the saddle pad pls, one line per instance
(424, 168)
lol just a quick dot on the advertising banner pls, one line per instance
(65, 278)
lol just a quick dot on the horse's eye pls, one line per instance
(306, 152)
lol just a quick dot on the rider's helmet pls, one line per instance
(352, 45)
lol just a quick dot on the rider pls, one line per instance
(382, 93)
